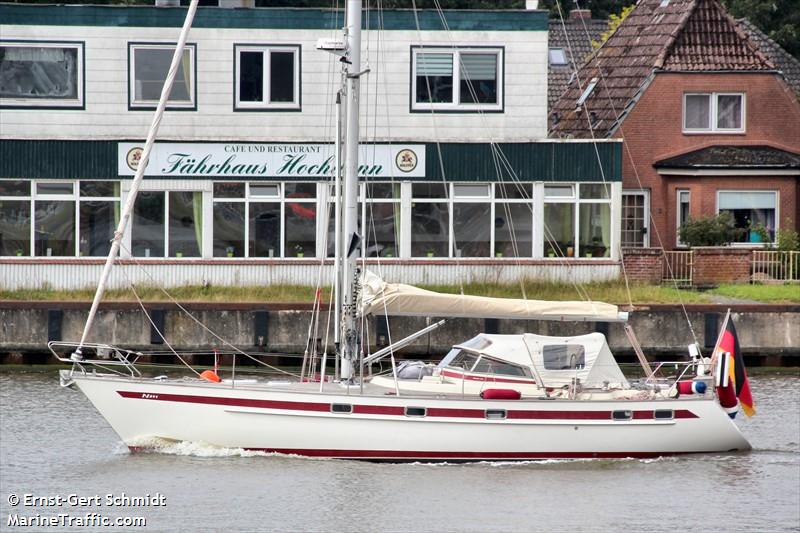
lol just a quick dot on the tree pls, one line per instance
(779, 19)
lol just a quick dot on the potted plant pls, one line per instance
(298, 249)
(19, 252)
(229, 251)
(759, 233)
(430, 252)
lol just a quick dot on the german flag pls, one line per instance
(731, 374)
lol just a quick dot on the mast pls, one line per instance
(350, 242)
(137, 179)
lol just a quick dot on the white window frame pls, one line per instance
(646, 214)
(47, 103)
(266, 104)
(134, 104)
(456, 104)
(576, 200)
(25, 198)
(775, 194)
(713, 113)
(36, 197)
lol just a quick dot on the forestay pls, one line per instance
(381, 298)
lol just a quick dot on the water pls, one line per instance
(52, 442)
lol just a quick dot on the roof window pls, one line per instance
(558, 57)
(587, 92)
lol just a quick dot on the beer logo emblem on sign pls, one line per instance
(406, 160)
(133, 158)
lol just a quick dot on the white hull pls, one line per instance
(260, 417)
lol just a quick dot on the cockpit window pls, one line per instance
(461, 359)
(563, 356)
(487, 365)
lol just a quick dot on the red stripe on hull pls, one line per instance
(390, 410)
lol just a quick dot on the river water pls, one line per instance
(53, 443)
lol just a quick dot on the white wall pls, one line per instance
(385, 94)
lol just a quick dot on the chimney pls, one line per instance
(531, 4)
(578, 14)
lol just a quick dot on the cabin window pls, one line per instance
(563, 356)
(621, 415)
(713, 112)
(463, 360)
(488, 365)
(416, 412)
(341, 408)
(267, 77)
(495, 414)
(751, 210)
(149, 65)
(663, 414)
(463, 79)
(41, 74)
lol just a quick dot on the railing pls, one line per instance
(772, 266)
(677, 267)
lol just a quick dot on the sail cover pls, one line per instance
(381, 298)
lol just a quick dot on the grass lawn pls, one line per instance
(613, 292)
(776, 294)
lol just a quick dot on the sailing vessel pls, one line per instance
(493, 397)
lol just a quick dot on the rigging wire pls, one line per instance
(626, 147)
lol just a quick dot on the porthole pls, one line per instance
(417, 412)
(663, 414)
(495, 414)
(341, 408)
(622, 415)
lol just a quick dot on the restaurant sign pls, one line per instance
(243, 160)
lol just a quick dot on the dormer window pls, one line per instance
(713, 113)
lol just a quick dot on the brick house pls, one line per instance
(709, 122)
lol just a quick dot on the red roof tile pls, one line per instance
(686, 35)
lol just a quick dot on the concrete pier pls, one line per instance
(769, 334)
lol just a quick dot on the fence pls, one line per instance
(774, 266)
(677, 267)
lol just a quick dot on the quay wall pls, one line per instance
(769, 334)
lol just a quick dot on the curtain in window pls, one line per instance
(696, 113)
(30, 72)
(729, 111)
(434, 64)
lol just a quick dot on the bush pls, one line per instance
(787, 239)
(710, 231)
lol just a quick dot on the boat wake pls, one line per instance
(188, 448)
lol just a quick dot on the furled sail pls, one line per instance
(381, 298)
